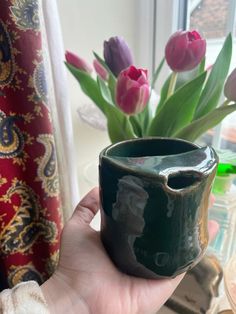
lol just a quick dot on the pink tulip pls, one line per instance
(78, 62)
(185, 50)
(132, 90)
(230, 86)
(100, 70)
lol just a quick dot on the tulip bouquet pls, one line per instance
(190, 97)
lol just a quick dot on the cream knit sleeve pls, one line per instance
(25, 298)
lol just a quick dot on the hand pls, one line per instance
(86, 280)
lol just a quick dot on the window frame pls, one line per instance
(165, 17)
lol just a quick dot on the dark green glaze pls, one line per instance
(154, 198)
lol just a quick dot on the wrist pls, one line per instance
(61, 298)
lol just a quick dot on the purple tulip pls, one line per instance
(185, 50)
(100, 70)
(117, 54)
(230, 86)
(78, 62)
(132, 90)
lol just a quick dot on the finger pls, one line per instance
(87, 207)
(158, 291)
(213, 228)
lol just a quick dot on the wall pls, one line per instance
(85, 25)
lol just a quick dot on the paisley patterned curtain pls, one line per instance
(30, 205)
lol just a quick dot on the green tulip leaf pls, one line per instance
(145, 118)
(105, 91)
(213, 88)
(112, 79)
(185, 77)
(89, 86)
(135, 121)
(103, 63)
(178, 110)
(164, 92)
(201, 125)
(157, 72)
(201, 67)
(141, 121)
(182, 79)
(118, 124)
(112, 87)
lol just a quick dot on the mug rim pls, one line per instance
(106, 150)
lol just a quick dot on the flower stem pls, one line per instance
(172, 84)
(225, 103)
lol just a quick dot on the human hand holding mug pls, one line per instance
(86, 280)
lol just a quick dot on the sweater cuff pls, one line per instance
(24, 298)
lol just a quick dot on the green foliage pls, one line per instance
(112, 79)
(157, 72)
(104, 90)
(89, 86)
(118, 124)
(212, 91)
(187, 111)
(178, 110)
(192, 131)
(182, 79)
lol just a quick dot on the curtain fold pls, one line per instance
(62, 112)
(30, 199)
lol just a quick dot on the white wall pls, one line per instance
(85, 25)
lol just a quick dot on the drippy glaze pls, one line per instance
(154, 202)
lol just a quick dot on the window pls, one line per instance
(214, 19)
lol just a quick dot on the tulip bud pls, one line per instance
(185, 50)
(132, 90)
(117, 54)
(230, 86)
(78, 62)
(100, 70)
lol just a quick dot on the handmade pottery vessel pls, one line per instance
(154, 204)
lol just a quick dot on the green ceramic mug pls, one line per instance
(154, 204)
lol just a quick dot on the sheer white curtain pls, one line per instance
(61, 107)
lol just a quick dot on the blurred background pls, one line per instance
(146, 26)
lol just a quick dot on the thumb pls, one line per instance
(87, 208)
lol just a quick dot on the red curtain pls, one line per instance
(30, 218)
